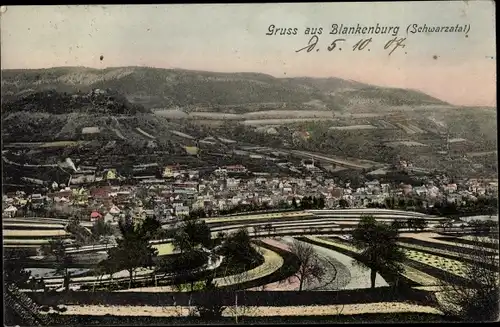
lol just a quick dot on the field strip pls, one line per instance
(272, 262)
(338, 161)
(145, 133)
(118, 133)
(338, 244)
(372, 211)
(452, 266)
(164, 249)
(261, 216)
(21, 246)
(416, 128)
(482, 239)
(27, 232)
(31, 225)
(21, 242)
(277, 244)
(455, 254)
(430, 237)
(479, 154)
(283, 222)
(285, 231)
(38, 220)
(436, 288)
(280, 225)
(405, 128)
(420, 277)
(60, 143)
(182, 134)
(321, 310)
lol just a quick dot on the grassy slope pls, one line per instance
(155, 87)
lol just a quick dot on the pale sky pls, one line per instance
(231, 38)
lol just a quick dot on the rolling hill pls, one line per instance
(210, 91)
(136, 108)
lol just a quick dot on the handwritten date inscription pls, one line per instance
(361, 45)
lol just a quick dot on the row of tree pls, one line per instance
(478, 299)
(309, 202)
(411, 223)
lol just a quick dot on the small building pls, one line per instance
(168, 172)
(114, 210)
(108, 218)
(308, 163)
(181, 211)
(90, 130)
(110, 174)
(236, 169)
(95, 215)
(9, 212)
(232, 183)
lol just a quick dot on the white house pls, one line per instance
(114, 210)
(108, 218)
(10, 211)
(181, 211)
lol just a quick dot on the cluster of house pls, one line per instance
(432, 191)
(181, 190)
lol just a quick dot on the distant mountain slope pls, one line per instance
(209, 91)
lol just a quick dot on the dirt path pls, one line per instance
(431, 237)
(347, 309)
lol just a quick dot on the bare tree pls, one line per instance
(310, 268)
(478, 298)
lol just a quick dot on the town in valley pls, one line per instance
(135, 192)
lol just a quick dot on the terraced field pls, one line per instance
(26, 225)
(18, 242)
(35, 220)
(272, 262)
(434, 239)
(31, 232)
(457, 255)
(420, 277)
(258, 217)
(34, 233)
(424, 266)
(452, 266)
(411, 273)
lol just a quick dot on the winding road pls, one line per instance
(350, 274)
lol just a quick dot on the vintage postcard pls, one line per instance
(249, 163)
